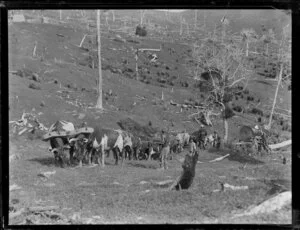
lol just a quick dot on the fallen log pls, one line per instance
(219, 158)
(162, 182)
(43, 209)
(280, 145)
(269, 205)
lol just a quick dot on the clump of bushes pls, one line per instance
(184, 84)
(250, 98)
(237, 108)
(34, 86)
(257, 112)
(228, 113)
(141, 31)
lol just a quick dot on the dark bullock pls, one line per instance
(58, 145)
(246, 133)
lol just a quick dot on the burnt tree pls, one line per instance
(185, 180)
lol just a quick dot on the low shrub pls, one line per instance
(141, 31)
(257, 111)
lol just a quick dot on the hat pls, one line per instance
(202, 126)
(256, 127)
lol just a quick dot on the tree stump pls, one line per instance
(185, 180)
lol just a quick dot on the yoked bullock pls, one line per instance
(102, 141)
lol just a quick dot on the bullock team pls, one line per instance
(97, 143)
(95, 146)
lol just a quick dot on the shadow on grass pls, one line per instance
(141, 165)
(236, 156)
(47, 161)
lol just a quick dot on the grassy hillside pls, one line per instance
(59, 82)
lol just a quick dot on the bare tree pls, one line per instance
(142, 12)
(99, 101)
(60, 15)
(113, 14)
(181, 22)
(284, 61)
(226, 68)
(249, 35)
(195, 22)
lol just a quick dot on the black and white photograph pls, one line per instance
(149, 116)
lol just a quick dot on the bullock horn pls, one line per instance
(73, 139)
(85, 140)
(53, 150)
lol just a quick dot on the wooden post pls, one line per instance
(99, 101)
(60, 15)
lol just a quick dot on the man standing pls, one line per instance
(164, 154)
(192, 147)
(202, 135)
(215, 139)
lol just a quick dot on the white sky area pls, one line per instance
(174, 11)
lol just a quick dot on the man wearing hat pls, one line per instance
(202, 133)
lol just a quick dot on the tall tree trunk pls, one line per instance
(142, 16)
(247, 48)
(275, 97)
(195, 25)
(60, 15)
(180, 25)
(225, 130)
(99, 101)
(113, 14)
(107, 24)
(204, 15)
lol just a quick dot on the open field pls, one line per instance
(128, 194)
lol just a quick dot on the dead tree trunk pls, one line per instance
(180, 33)
(187, 176)
(113, 14)
(275, 97)
(99, 101)
(136, 65)
(225, 130)
(195, 25)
